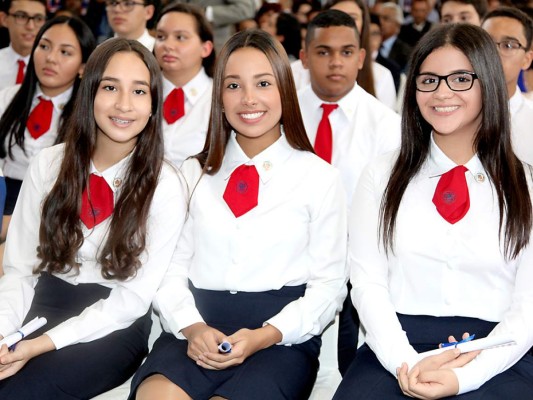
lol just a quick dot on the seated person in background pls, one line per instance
(471, 11)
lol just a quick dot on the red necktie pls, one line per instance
(100, 205)
(451, 195)
(20, 72)
(324, 136)
(174, 106)
(40, 118)
(242, 190)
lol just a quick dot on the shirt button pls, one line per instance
(233, 292)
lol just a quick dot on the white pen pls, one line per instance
(224, 347)
(486, 343)
(28, 329)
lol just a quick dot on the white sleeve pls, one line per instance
(518, 320)
(326, 287)
(20, 258)
(174, 301)
(369, 275)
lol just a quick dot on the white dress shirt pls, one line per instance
(296, 235)
(186, 136)
(522, 126)
(9, 66)
(437, 268)
(129, 299)
(362, 127)
(383, 81)
(146, 40)
(16, 167)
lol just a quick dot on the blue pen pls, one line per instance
(450, 344)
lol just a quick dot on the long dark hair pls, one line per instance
(219, 128)
(60, 233)
(492, 142)
(203, 28)
(13, 121)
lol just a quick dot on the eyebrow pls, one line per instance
(344, 46)
(111, 79)
(60, 44)
(255, 76)
(457, 71)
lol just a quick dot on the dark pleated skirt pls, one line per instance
(279, 372)
(83, 370)
(367, 379)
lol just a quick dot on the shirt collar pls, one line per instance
(516, 101)
(439, 163)
(58, 101)
(14, 56)
(193, 89)
(348, 104)
(115, 174)
(267, 162)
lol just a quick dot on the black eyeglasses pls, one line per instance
(509, 46)
(458, 81)
(21, 18)
(126, 5)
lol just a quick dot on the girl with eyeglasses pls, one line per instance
(34, 111)
(440, 236)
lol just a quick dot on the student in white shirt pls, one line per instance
(362, 128)
(440, 236)
(512, 31)
(128, 18)
(92, 236)
(23, 19)
(260, 263)
(372, 77)
(184, 50)
(61, 49)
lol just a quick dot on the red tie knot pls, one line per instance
(328, 108)
(451, 195)
(174, 106)
(97, 201)
(242, 190)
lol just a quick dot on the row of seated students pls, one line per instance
(104, 227)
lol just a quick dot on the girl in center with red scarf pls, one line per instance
(261, 261)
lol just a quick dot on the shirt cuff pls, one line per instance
(468, 378)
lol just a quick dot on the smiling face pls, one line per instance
(454, 116)
(178, 47)
(251, 100)
(57, 59)
(123, 103)
(333, 58)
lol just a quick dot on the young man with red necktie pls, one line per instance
(347, 126)
(23, 19)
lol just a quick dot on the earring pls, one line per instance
(223, 111)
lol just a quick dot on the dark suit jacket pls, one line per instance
(400, 53)
(410, 35)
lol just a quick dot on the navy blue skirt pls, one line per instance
(83, 370)
(278, 372)
(367, 379)
(12, 193)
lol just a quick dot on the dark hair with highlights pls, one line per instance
(492, 142)
(219, 128)
(60, 233)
